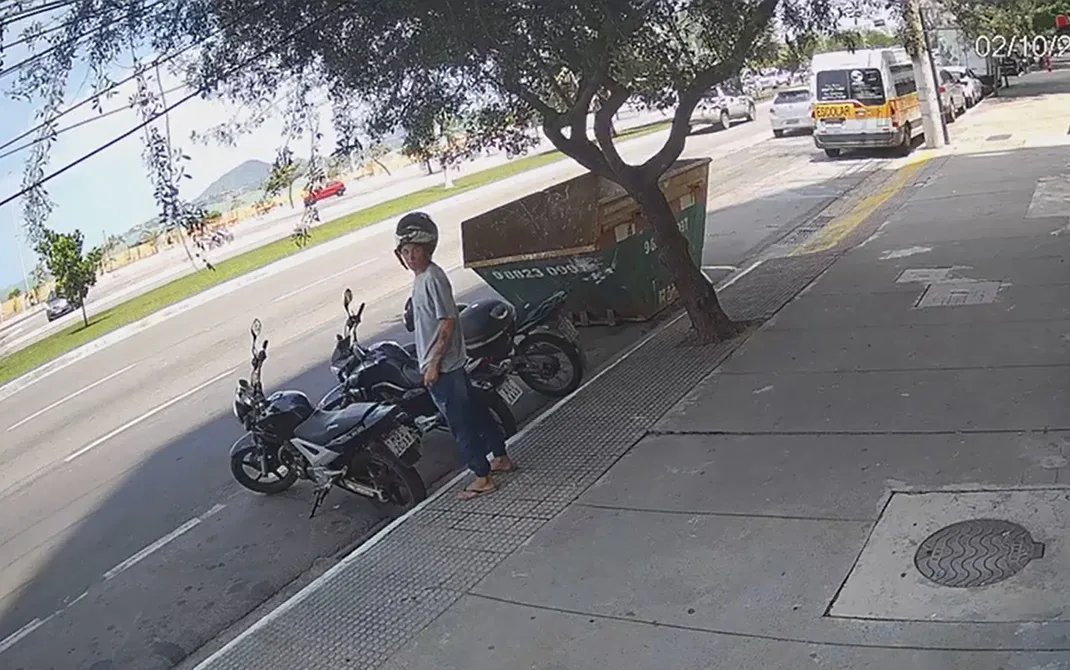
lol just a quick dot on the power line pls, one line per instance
(96, 96)
(36, 36)
(256, 56)
(30, 12)
(73, 126)
(72, 42)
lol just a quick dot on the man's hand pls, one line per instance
(431, 374)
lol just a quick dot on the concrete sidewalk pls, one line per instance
(871, 479)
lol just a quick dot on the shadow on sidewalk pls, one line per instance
(174, 602)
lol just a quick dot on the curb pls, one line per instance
(240, 281)
(308, 590)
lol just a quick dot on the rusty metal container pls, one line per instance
(587, 236)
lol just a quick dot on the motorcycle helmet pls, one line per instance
(415, 228)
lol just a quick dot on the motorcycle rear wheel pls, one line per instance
(402, 484)
(534, 348)
(499, 410)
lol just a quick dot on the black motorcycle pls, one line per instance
(365, 448)
(538, 344)
(388, 372)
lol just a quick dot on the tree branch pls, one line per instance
(711, 76)
(603, 127)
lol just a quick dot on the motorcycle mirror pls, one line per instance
(255, 328)
(347, 299)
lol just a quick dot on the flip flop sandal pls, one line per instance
(472, 494)
(503, 471)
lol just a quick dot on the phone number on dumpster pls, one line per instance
(538, 273)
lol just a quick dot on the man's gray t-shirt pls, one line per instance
(432, 300)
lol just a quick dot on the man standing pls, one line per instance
(440, 347)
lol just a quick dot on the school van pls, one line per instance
(865, 99)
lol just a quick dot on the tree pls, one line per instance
(376, 153)
(14, 293)
(74, 271)
(501, 65)
(284, 173)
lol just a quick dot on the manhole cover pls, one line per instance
(978, 552)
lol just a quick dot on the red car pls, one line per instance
(331, 188)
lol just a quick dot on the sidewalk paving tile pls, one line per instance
(398, 586)
(836, 477)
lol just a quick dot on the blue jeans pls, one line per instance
(473, 426)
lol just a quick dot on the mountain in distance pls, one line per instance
(245, 177)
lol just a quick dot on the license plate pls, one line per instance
(510, 391)
(567, 329)
(401, 439)
(834, 111)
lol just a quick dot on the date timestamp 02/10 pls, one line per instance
(1037, 46)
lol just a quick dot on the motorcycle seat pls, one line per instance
(325, 426)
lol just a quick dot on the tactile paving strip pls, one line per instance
(366, 610)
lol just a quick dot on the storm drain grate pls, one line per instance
(978, 552)
(998, 138)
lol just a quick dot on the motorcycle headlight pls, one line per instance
(336, 370)
(241, 406)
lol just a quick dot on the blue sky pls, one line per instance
(110, 192)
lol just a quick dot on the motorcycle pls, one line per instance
(387, 372)
(532, 344)
(369, 449)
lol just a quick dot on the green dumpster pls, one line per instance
(587, 236)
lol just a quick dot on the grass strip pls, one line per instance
(141, 306)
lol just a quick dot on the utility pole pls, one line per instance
(22, 262)
(932, 117)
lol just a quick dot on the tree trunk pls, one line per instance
(447, 177)
(708, 318)
(85, 317)
(290, 193)
(380, 164)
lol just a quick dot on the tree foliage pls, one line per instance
(1010, 18)
(501, 65)
(75, 272)
(14, 293)
(284, 172)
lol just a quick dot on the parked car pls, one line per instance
(332, 188)
(57, 306)
(971, 83)
(952, 96)
(724, 104)
(792, 110)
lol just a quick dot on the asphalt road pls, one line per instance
(125, 542)
(140, 277)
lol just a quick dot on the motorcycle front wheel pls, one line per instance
(549, 364)
(245, 466)
(402, 484)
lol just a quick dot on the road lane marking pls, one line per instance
(13, 639)
(71, 397)
(839, 228)
(16, 637)
(161, 543)
(147, 415)
(328, 278)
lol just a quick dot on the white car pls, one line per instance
(971, 83)
(791, 111)
(952, 96)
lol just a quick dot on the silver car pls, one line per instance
(791, 111)
(723, 105)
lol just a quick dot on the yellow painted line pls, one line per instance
(836, 230)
